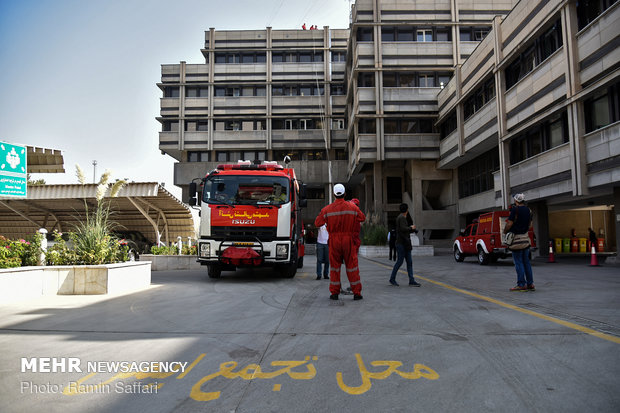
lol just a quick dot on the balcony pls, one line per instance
(240, 105)
(480, 130)
(297, 139)
(410, 99)
(297, 71)
(412, 146)
(418, 53)
(537, 90)
(251, 139)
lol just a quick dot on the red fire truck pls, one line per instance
(250, 215)
(484, 238)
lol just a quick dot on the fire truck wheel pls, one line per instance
(215, 271)
(300, 262)
(288, 271)
(458, 255)
(483, 257)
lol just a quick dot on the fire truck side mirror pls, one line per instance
(303, 202)
(192, 194)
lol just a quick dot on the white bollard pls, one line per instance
(179, 244)
(43, 232)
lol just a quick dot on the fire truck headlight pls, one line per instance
(281, 251)
(205, 250)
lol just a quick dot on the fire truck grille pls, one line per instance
(265, 234)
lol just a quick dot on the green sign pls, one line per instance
(13, 176)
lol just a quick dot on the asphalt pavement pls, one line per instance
(253, 342)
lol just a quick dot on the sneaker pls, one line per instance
(318, 278)
(394, 283)
(333, 297)
(326, 277)
(519, 288)
(357, 297)
(415, 284)
(531, 287)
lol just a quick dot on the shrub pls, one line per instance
(374, 234)
(164, 250)
(19, 253)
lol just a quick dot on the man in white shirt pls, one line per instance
(322, 253)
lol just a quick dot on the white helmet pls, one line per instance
(338, 189)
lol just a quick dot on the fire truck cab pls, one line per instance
(250, 216)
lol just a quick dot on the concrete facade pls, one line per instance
(553, 126)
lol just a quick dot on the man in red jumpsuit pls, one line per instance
(342, 218)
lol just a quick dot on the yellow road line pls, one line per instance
(568, 324)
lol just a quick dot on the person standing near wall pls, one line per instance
(403, 246)
(322, 253)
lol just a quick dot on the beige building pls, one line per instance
(450, 106)
(261, 94)
(535, 109)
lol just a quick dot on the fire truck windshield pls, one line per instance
(246, 190)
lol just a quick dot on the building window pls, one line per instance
(540, 49)
(198, 156)
(337, 90)
(364, 34)
(367, 126)
(366, 80)
(315, 155)
(473, 34)
(388, 34)
(589, 10)
(443, 34)
(479, 97)
(337, 124)
(424, 35)
(426, 80)
(280, 155)
(603, 108)
(404, 34)
(171, 92)
(414, 125)
(253, 155)
(540, 138)
(476, 176)
(170, 126)
(196, 92)
(339, 56)
(295, 57)
(196, 126)
(448, 125)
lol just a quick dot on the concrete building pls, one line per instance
(449, 106)
(535, 109)
(399, 57)
(261, 94)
